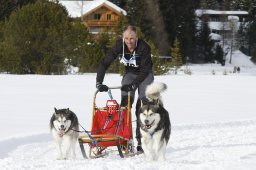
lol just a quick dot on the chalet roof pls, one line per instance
(200, 12)
(215, 37)
(76, 8)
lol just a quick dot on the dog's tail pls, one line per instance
(153, 90)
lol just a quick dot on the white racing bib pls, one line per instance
(131, 62)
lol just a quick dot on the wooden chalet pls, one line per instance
(97, 15)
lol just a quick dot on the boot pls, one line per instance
(124, 101)
(138, 135)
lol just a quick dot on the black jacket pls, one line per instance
(142, 55)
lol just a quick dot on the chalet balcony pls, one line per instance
(101, 23)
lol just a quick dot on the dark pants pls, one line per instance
(127, 79)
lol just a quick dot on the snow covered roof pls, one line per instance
(215, 37)
(199, 12)
(78, 8)
(233, 18)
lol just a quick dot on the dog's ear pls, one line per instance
(156, 101)
(56, 111)
(67, 110)
(141, 103)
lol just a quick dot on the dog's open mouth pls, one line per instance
(62, 131)
(148, 126)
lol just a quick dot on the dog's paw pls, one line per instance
(150, 157)
(59, 157)
(66, 156)
(161, 159)
(74, 156)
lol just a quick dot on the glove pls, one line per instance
(128, 87)
(101, 87)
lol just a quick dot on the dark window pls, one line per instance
(97, 16)
(108, 16)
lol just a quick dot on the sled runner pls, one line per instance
(111, 126)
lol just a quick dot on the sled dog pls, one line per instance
(64, 128)
(155, 126)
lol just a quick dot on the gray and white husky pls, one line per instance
(155, 123)
(64, 128)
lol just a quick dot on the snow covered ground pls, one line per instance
(213, 120)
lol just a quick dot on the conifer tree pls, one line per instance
(36, 38)
(179, 20)
(120, 3)
(8, 6)
(219, 54)
(251, 32)
(176, 55)
(136, 15)
(91, 57)
(159, 67)
(79, 40)
(205, 43)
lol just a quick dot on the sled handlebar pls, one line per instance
(115, 87)
(109, 91)
(109, 88)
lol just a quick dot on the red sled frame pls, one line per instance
(111, 126)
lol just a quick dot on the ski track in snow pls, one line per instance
(227, 145)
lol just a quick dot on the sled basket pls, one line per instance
(111, 126)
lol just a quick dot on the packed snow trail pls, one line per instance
(229, 145)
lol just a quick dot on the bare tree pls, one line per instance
(233, 25)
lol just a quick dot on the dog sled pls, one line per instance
(111, 127)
